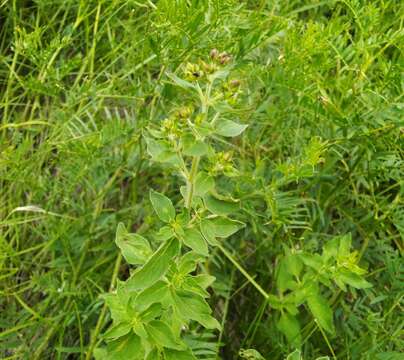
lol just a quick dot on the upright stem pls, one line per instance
(191, 181)
(195, 161)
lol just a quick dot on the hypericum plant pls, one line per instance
(152, 309)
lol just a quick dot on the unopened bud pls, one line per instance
(214, 53)
(224, 58)
(235, 83)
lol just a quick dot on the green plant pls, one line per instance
(168, 289)
(299, 277)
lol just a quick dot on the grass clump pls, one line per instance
(87, 89)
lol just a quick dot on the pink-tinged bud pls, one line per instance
(224, 58)
(235, 83)
(214, 53)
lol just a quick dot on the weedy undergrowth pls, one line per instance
(167, 290)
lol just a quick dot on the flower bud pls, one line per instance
(184, 112)
(224, 58)
(193, 72)
(235, 83)
(214, 53)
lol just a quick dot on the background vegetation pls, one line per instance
(322, 156)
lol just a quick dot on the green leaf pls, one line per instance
(100, 354)
(162, 206)
(295, 355)
(194, 147)
(151, 313)
(118, 330)
(165, 233)
(204, 129)
(155, 148)
(155, 268)
(293, 264)
(191, 285)
(127, 347)
(208, 232)
(321, 311)
(219, 227)
(178, 355)
(229, 128)
(219, 74)
(139, 329)
(162, 335)
(290, 327)
(188, 262)
(330, 249)
(314, 261)
(220, 207)
(183, 218)
(157, 293)
(153, 355)
(275, 302)
(203, 184)
(135, 248)
(345, 244)
(225, 227)
(160, 151)
(117, 306)
(204, 280)
(284, 279)
(190, 306)
(194, 239)
(339, 282)
(353, 279)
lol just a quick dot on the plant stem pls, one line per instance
(191, 181)
(244, 272)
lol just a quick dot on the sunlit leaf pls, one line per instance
(229, 128)
(162, 335)
(290, 327)
(321, 311)
(162, 206)
(155, 267)
(135, 248)
(220, 207)
(194, 239)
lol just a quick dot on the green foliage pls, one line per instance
(300, 276)
(285, 232)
